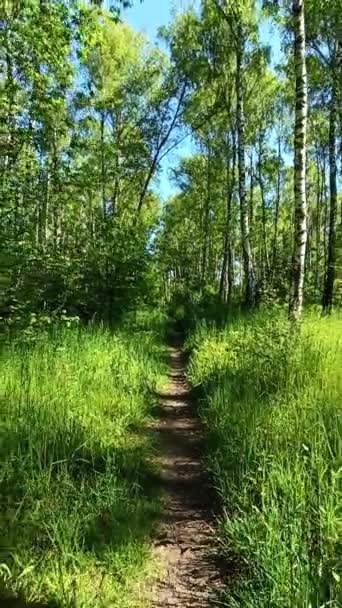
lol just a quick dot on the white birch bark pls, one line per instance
(300, 227)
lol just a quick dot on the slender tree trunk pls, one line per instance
(57, 209)
(223, 276)
(230, 268)
(300, 228)
(251, 194)
(91, 220)
(150, 174)
(319, 192)
(226, 282)
(277, 208)
(43, 203)
(325, 214)
(10, 96)
(265, 265)
(206, 222)
(328, 292)
(245, 236)
(117, 143)
(338, 80)
(103, 167)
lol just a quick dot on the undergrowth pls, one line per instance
(77, 500)
(272, 413)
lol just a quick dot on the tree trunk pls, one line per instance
(226, 282)
(245, 236)
(57, 209)
(265, 265)
(277, 208)
(117, 143)
(44, 179)
(328, 292)
(319, 193)
(325, 210)
(300, 227)
(251, 195)
(103, 168)
(206, 222)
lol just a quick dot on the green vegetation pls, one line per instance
(77, 504)
(90, 110)
(272, 413)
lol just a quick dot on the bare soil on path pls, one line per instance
(185, 548)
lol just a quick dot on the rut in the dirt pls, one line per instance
(190, 574)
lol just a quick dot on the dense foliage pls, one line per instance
(89, 109)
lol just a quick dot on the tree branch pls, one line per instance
(163, 142)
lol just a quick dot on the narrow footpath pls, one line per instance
(190, 573)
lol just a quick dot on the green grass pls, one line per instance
(77, 501)
(272, 412)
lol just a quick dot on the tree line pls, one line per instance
(90, 111)
(249, 221)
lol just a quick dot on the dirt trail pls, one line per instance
(185, 548)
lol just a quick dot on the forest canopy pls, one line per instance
(91, 109)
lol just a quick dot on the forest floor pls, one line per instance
(190, 572)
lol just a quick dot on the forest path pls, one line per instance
(185, 549)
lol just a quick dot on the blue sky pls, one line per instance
(147, 17)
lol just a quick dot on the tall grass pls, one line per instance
(272, 414)
(77, 504)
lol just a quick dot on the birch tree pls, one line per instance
(300, 220)
(324, 30)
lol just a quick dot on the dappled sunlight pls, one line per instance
(77, 480)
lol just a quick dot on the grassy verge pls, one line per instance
(77, 505)
(272, 413)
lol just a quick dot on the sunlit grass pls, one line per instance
(77, 502)
(272, 413)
